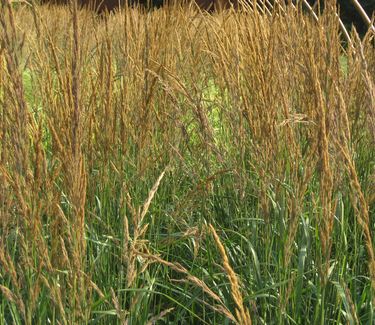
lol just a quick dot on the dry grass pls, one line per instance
(242, 313)
(122, 138)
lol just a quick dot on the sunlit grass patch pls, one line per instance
(178, 167)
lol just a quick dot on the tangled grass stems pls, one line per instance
(266, 124)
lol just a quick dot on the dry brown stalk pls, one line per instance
(361, 208)
(154, 319)
(242, 313)
(132, 245)
(191, 279)
(353, 309)
(121, 314)
(253, 103)
(14, 299)
(326, 181)
(369, 80)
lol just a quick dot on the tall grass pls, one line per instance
(179, 167)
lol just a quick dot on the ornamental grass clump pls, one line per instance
(130, 142)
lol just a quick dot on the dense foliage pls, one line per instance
(176, 167)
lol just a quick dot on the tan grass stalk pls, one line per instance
(361, 208)
(156, 318)
(151, 195)
(191, 279)
(121, 314)
(131, 245)
(15, 299)
(242, 313)
(370, 83)
(244, 102)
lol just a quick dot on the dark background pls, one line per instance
(350, 15)
(348, 12)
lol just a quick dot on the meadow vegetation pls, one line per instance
(175, 167)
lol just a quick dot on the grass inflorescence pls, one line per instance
(184, 168)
